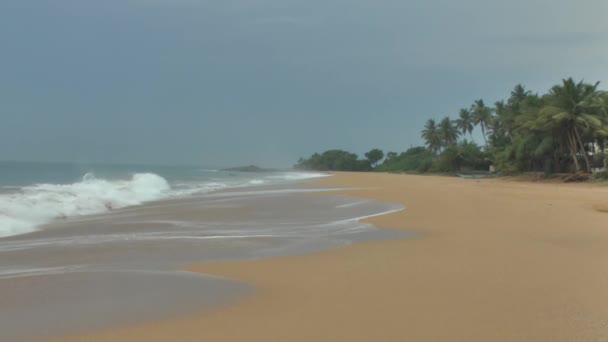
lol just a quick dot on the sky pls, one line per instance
(233, 82)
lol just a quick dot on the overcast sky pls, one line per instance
(227, 82)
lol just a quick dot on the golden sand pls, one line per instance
(494, 261)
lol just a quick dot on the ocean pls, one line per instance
(88, 247)
(33, 193)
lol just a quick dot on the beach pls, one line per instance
(122, 266)
(492, 260)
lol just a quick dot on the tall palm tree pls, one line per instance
(482, 116)
(518, 95)
(576, 109)
(503, 123)
(448, 132)
(431, 137)
(465, 122)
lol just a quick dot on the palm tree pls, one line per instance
(482, 116)
(465, 122)
(575, 109)
(448, 132)
(518, 95)
(503, 123)
(431, 137)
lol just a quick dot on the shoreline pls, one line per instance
(131, 260)
(33, 205)
(493, 260)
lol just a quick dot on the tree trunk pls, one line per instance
(603, 151)
(572, 148)
(483, 133)
(585, 156)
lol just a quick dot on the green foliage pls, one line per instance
(391, 155)
(556, 132)
(431, 136)
(601, 176)
(564, 130)
(465, 122)
(482, 116)
(448, 132)
(415, 159)
(334, 160)
(374, 156)
(456, 157)
(575, 115)
(464, 155)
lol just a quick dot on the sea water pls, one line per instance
(87, 247)
(32, 194)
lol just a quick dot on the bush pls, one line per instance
(415, 159)
(334, 160)
(601, 176)
(464, 155)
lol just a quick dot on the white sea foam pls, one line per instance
(185, 189)
(23, 211)
(298, 175)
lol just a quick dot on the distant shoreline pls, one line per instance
(250, 168)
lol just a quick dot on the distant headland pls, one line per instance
(249, 168)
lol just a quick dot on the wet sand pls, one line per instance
(126, 266)
(494, 260)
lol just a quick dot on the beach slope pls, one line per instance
(494, 260)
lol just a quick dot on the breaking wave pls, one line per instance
(31, 206)
(23, 209)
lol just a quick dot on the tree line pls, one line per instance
(563, 130)
(339, 160)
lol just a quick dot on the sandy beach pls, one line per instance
(493, 260)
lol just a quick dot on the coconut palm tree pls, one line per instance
(448, 132)
(431, 137)
(465, 122)
(503, 123)
(519, 101)
(576, 109)
(482, 116)
(518, 95)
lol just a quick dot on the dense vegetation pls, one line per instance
(337, 160)
(564, 130)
